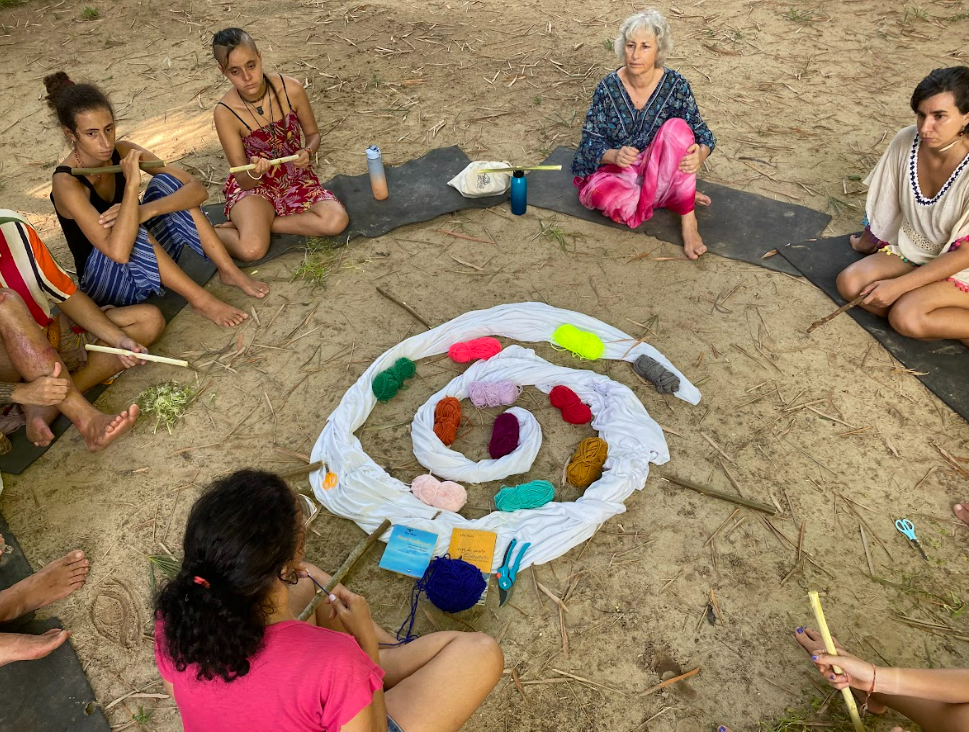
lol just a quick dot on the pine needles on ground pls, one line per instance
(168, 403)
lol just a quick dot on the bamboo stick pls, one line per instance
(144, 165)
(668, 682)
(836, 313)
(141, 356)
(406, 307)
(303, 470)
(338, 576)
(276, 161)
(523, 167)
(832, 651)
(739, 500)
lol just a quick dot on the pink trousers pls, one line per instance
(629, 195)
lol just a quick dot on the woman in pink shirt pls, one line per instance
(234, 656)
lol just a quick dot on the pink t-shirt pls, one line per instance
(302, 679)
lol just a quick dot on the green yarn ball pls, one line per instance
(404, 368)
(533, 494)
(387, 383)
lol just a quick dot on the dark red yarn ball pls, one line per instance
(574, 410)
(504, 435)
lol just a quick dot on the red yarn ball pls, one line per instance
(504, 435)
(477, 348)
(574, 410)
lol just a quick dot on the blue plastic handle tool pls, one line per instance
(906, 527)
(508, 571)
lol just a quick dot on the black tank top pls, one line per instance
(78, 243)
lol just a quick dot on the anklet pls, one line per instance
(871, 691)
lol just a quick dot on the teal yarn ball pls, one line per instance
(387, 383)
(533, 494)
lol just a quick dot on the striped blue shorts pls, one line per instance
(110, 283)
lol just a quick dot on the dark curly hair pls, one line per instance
(954, 79)
(68, 99)
(227, 40)
(241, 535)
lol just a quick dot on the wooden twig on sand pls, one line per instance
(832, 651)
(337, 578)
(405, 306)
(304, 470)
(463, 236)
(739, 500)
(847, 306)
(668, 682)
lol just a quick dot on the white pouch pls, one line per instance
(471, 184)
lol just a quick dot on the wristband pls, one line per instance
(254, 177)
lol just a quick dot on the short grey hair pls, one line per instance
(650, 20)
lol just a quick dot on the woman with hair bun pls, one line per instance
(126, 249)
(234, 656)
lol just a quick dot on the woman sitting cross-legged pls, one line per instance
(265, 117)
(233, 654)
(917, 274)
(124, 249)
(643, 139)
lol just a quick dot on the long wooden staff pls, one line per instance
(832, 651)
(337, 578)
(144, 165)
(844, 308)
(277, 161)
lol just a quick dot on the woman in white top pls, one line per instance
(917, 221)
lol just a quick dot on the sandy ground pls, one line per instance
(802, 96)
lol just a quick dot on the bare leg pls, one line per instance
(961, 510)
(23, 647)
(248, 236)
(202, 301)
(931, 312)
(28, 351)
(216, 250)
(326, 218)
(854, 279)
(693, 245)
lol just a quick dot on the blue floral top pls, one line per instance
(613, 121)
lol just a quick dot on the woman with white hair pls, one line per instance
(643, 139)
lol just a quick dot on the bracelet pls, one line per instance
(871, 691)
(254, 177)
(309, 152)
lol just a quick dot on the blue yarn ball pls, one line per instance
(453, 585)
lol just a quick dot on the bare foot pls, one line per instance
(104, 429)
(693, 245)
(220, 313)
(702, 199)
(862, 243)
(38, 427)
(22, 647)
(237, 278)
(811, 641)
(224, 225)
(55, 581)
(961, 510)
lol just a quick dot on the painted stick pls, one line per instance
(739, 500)
(847, 306)
(144, 165)
(337, 578)
(277, 161)
(524, 167)
(141, 356)
(832, 651)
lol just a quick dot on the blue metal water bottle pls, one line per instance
(519, 186)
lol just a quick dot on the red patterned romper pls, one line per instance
(289, 189)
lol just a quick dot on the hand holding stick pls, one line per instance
(832, 651)
(847, 306)
(133, 354)
(144, 165)
(276, 161)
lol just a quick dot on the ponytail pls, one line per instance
(241, 535)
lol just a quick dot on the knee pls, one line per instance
(252, 248)
(11, 302)
(485, 653)
(332, 222)
(161, 185)
(908, 321)
(152, 323)
(850, 283)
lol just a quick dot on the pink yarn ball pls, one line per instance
(446, 495)
(493, 393)
(471, 350)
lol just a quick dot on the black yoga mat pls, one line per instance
(943, 362)
(737, 225)
(50, 694)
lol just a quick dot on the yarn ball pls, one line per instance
(453, 585)
(493, 393)
(504, 435)
(533, 494)
(447, 419)
(471, 350)
(585, 467)
(574, 410)
(387, 383)
(580, 342)
(665, 381)
(446, 495)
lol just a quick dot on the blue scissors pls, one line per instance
(908, 529)
(508, 571)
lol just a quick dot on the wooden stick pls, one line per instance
(144, 165)
(832, 651)
(304, 470)
(739, 500)
(337, 578)
(526, 167)
(276, 161)
(406, 307)
(836, 313)
(142, 356)
(668, 682)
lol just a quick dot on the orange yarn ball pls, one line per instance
(447, 419)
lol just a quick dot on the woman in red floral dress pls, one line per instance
(262, 118)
